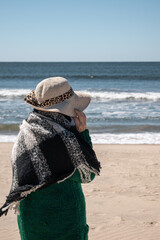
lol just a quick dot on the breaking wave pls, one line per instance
(125, 96)
(101, 96)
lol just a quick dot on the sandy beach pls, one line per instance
(123, 203)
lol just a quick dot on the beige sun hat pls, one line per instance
(54, 94)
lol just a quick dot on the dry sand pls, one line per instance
(122, 204)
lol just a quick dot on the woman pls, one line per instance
(51, 157)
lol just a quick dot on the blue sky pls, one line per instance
(86, 30)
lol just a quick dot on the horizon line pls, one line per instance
(78, 61)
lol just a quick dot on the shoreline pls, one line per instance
(109, 138)
(110, 144)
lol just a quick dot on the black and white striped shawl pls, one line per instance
(48, 150)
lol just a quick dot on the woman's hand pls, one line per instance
(80, 120)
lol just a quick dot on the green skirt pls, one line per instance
(57, 212)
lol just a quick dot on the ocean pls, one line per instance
(125, 106)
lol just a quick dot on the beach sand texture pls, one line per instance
(123, 203)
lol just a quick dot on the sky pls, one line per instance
(79, 30)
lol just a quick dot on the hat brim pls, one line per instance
(79, 100)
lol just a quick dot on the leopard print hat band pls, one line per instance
(31, 99)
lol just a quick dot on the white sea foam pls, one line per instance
(108, 96)
(7, 138)
(129, 138)
(108, 138)
(9, 93)
(96, 95)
